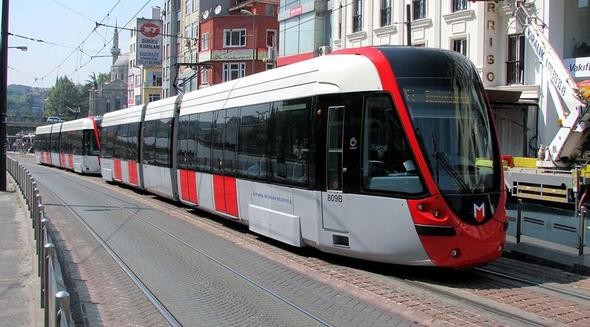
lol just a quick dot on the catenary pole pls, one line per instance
(3, 92)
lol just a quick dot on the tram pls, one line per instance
(73, 145)
(380, 153)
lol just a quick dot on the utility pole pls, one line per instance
(409, 24)
(3, 92)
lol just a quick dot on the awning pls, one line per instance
(514, 94)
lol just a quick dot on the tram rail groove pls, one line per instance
(500, 309)
(151, 297)
(558, 290)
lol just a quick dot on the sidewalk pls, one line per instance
(19, 282)
(548, 253)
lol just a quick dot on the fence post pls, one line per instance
(63, 313)
(581, 230)
(41, 243)
(518, 220)
(49, 254)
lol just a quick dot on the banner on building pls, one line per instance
(149, 42)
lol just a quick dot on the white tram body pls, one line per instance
(79, 159)
(70, 145)
(121, 167)
(42, 134)
(299, 154)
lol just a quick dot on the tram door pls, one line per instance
(342, 146)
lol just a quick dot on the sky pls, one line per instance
(70, 40)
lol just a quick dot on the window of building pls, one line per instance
(138, 99)
(234, 38)
(419, 9)
(154, 79)
(187, 32)
(357, 16)
(271, 38)
(582, 3)
(153, 97)
(459, 5)
(187, 6)
(204, 41)
(385, 13)
(194, 30)
(204, 76)
(515, 62)
(233, 70)
(460, 45)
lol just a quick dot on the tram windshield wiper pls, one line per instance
(440, 159)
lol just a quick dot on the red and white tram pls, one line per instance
(72, 145)
(381, 153)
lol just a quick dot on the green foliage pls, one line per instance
(64, 98)
(95, 81)
(24, 103)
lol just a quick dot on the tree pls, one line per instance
(64, 97)
(95, 81)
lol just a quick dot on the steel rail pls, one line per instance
(558, 290)
(149, 294)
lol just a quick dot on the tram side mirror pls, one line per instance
(409, 166)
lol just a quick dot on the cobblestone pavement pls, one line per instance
(391, 288)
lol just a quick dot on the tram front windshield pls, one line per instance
(452, 126)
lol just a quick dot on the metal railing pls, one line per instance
(55, 298)
(567, 229)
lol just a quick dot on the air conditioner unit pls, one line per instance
(271, 54)
(324, 50)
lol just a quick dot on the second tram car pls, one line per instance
(380, 153)
(72, 145)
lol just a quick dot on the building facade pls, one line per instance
(236, 38)
(304, 29)
(112, 95)
(485, 31)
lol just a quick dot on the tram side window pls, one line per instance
(217, 141)
(90, 144)
(205, 124)
(121, 143)
(387, 160)
(77, 143)
(162, 142)
(252, 141)
(54, 142)
(289, 136)
(108, 136)
(132, 144)
(149, 140)
(230, 141)
(186, 141)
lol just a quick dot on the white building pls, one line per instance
(489, 34)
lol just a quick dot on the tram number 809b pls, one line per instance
(335, 197)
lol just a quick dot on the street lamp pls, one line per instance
(20, 47)
(246, 12)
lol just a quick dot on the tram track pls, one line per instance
(167, 314)
(503, 312)
(524, 281)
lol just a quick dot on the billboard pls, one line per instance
(148, 42)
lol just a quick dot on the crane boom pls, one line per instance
(571, 107)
